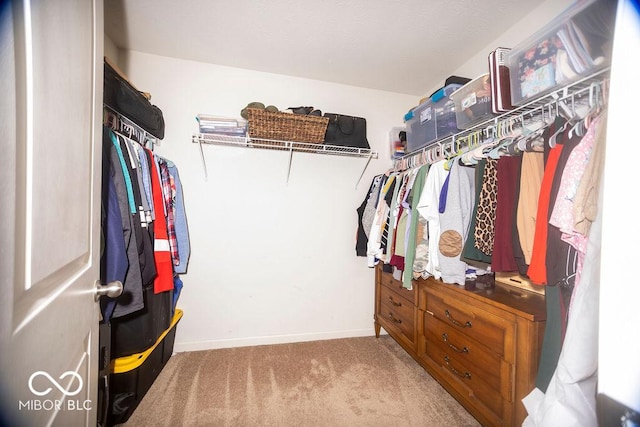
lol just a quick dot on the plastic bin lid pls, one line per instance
(442, 92)
(129, 363)
(463, 90)
(408, 116)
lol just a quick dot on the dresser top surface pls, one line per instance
(522, 303)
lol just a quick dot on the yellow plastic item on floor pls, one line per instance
(129, 363)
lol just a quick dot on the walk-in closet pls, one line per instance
(236, 213)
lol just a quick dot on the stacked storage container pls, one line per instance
(432, 120)
(572, 46)
(473, 102)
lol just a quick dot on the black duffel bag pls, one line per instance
(122, 97)
(346, 131)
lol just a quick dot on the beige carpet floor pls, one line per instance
(344, 382)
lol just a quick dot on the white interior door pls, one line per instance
(50, 107)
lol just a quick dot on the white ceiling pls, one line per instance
(403, 46)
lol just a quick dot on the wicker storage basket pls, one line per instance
(286, 126)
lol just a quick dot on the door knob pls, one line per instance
(111, 289)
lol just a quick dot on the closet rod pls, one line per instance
(144, 136)
(546, 106)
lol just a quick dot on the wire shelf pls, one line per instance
(272, 144)
(286, 146)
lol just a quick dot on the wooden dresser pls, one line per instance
(483, 346)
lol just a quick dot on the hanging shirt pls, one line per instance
(374, 244)
(114, 262)
(486, 209)
(537, 271)
(182, 229)
(414, 235)
(362, 234)
(403, 219)
(531, 175)
(503, 258)
(562, 214)
(470, 251)
(131, 299)
(386, 239)
(143, 161)
(164, 279)
(585, 207)
(168, 195)
(125, 172)
(369, 211)
(144, 210)
(394, 215)
(144, 234)
(454, 223)
(428, 208)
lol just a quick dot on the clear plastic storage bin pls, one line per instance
(221, 125)
(432, 120)
(445, 111)
(473, 102)
(575, 44)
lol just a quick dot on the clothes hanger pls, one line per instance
(583, 120)
(434, 155)
(564, 113)
(477, 142)
(449, 162)
(525, 140)
(495, 150)
(480, 152)
(554, 136)
(465, 158)
(596, 102)
(535, 145)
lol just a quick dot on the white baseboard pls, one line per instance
(180, 347)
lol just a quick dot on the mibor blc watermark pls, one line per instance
(43, 404)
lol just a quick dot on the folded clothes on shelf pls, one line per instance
(221, 125)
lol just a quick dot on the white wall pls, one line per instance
(111, 51)
(271, 261)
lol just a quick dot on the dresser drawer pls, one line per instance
(397, 310)
(398, 315)
(466, 381)
(388, 281)
(470, 355)
(494, 332)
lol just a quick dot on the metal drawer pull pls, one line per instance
(455, 322)
(394, 319)
(466, 375)
(397, 304)
(445, 338)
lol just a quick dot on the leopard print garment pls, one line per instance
(486, 215)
